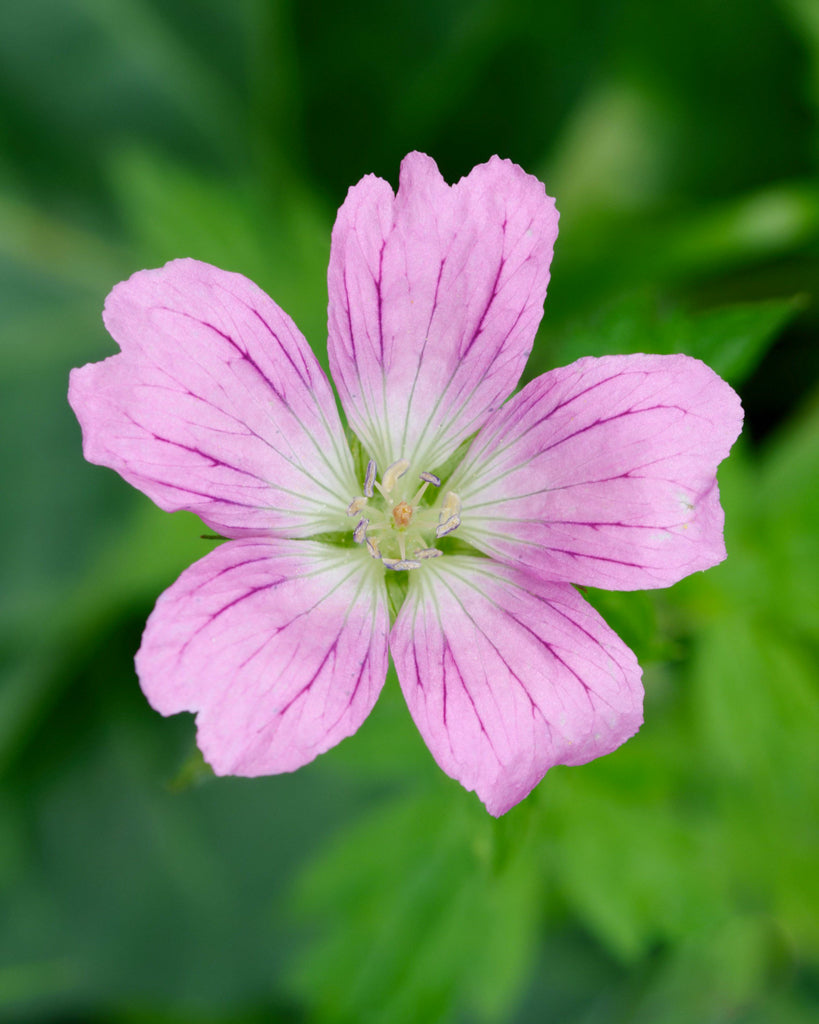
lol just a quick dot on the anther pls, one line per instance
(449, 518)
(451, 506)
(423, 553)
(356, 506)
(369, 478)
(360, 532)
(392, 474)
(372, 547)
(426, 479)
(397, 564)
(449, 526)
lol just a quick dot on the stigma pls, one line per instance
(395, 521)
(402, 514)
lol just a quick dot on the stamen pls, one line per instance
(418, 495)
(423, 553)
(369, 478)
(398, 523)
(401, 563)
(451, 506)
(447, 527)
(449, 518)
(428, 478)
(393, 473)
(374, 527)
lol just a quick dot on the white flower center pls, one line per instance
(396, 525)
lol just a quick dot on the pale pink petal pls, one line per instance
(507, 675)
(216, 404)
(435, 298)
(280, 647)
(603, 473)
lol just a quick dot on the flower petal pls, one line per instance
(506, 675)
(216, 404)
(279, 646)
(603, 473)
(435, 298)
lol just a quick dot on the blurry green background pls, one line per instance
(673, 881)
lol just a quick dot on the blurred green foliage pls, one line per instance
(674, 881)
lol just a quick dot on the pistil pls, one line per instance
(402, 514)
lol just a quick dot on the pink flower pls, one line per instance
(601, 473)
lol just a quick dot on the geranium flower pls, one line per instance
(601, 473)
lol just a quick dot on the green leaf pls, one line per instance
(712, 975)
(279, 238)
(633, 872)
(787, 494)
(731, 339)
(633, 616)
(625, 325)
(426, 906)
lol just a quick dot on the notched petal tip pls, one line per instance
(419, 176)
(603, 473)
(507, 675)
(279, 648)
(435, 297)
(215, 404)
